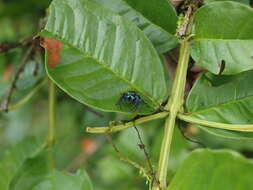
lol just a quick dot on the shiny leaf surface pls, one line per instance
(108, 56)
(225, 37)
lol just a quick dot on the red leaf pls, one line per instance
(53, 47)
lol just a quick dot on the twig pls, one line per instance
(27, 97)
(6, 46)
(7, 100)
(94, 112)
(142, 147)
(109, 138)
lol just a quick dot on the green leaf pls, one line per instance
(227, 102)
(15, 157)
(108, 56)
(161, 13)
(65, 181)
(32, 172)
(247, 2)
(162, 34)
(224, 99)
(209, 169)
(36, 174)
(239, 143)
(223, 33)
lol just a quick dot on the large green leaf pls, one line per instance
(208, 169)
(36, 174)
(223, 34)
(224, 99)
(14, 159)
(108, 56)
(161, 31)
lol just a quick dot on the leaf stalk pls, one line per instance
(122, 126)
(233, 127)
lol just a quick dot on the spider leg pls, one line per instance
(118, 103)
(136, 105)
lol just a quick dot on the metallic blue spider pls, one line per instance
(131, 98)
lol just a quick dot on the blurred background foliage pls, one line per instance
(74, 148)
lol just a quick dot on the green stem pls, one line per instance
(51, 127)
(127, 125)
(51, 118)
(233, 127)
(174, 105)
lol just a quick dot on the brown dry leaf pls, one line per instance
(53, 47)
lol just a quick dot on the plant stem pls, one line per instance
(174, 105)
(111, 129)
(233, 127)
(51, 118)
(51, 128)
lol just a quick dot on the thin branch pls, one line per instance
(6, 46)
(27, 97)
(94, 112)
(24, 61)
(142, 147)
